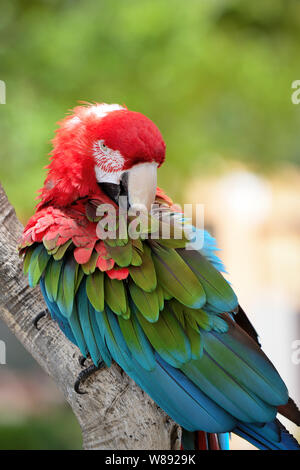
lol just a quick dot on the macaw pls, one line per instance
(163, 312)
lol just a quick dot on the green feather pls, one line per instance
(48, 280)
(90, 266)
(66, 288)
(105, 329)
(146, 302)
(218, 324)
(170, 231)
(127, 314)
(177, 278)
(122, 255)
(198, 317)
(167, 295)
(95, 290)
(136, 258)
(178, 310)
(167, 337)
(50, 244)
(59, 254)
(172, 243)
(79, 276)
(105, 354)
(138, 244)
(222, 388)
(84, 307)
(192, 317)
(238, 354)
(190, 326)
(38, 262)
(160, 295)
(115, 295)
(137, 342)
(218, 292)
(27, 259)
(196, 342)
(54, 276)
(144, 276)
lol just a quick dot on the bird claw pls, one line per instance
(82, 360)
(38, 317)
(84, 374)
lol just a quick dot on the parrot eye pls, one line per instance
(103, 147)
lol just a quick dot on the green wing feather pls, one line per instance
(37, 264)
(121, 254)
(52, 277)
(137, 342)
(160, 295)
(219, 293)
(115, 295)
(95, 289)
(167, 337)
(66, 287)
(27, 259)
(136, 258)
(146, 302)
(60, 252)
(84, 307)
(177, 278)
(90, 266)
(79, 276)
(144, 275)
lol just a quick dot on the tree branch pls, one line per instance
(116, 413)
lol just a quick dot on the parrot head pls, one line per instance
(104, 146)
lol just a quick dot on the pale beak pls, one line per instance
(141, 186)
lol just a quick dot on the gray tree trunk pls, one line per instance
(116, 413)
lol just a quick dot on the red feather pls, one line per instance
(207, 441)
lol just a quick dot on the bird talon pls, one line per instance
(82, 360)
(84, 374)
(38, 317)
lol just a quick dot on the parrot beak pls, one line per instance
(141, 184)
(138, 184)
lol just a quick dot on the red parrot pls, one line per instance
(158, 306)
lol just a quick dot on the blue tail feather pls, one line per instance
(271, 436)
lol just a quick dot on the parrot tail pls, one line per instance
(201, 440)
(269, 436)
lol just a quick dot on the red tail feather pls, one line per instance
(207, 441)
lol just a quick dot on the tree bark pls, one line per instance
(115, 413)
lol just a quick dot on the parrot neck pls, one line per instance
(62, 189)
(71, 176)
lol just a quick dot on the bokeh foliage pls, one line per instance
(215, 75)
(51, 430)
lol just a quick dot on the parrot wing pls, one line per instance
(165, 314)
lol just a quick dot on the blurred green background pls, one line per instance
(214, 75)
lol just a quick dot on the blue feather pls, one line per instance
(83, 307)
(106, 356)
(271, 436)
(56, 315)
